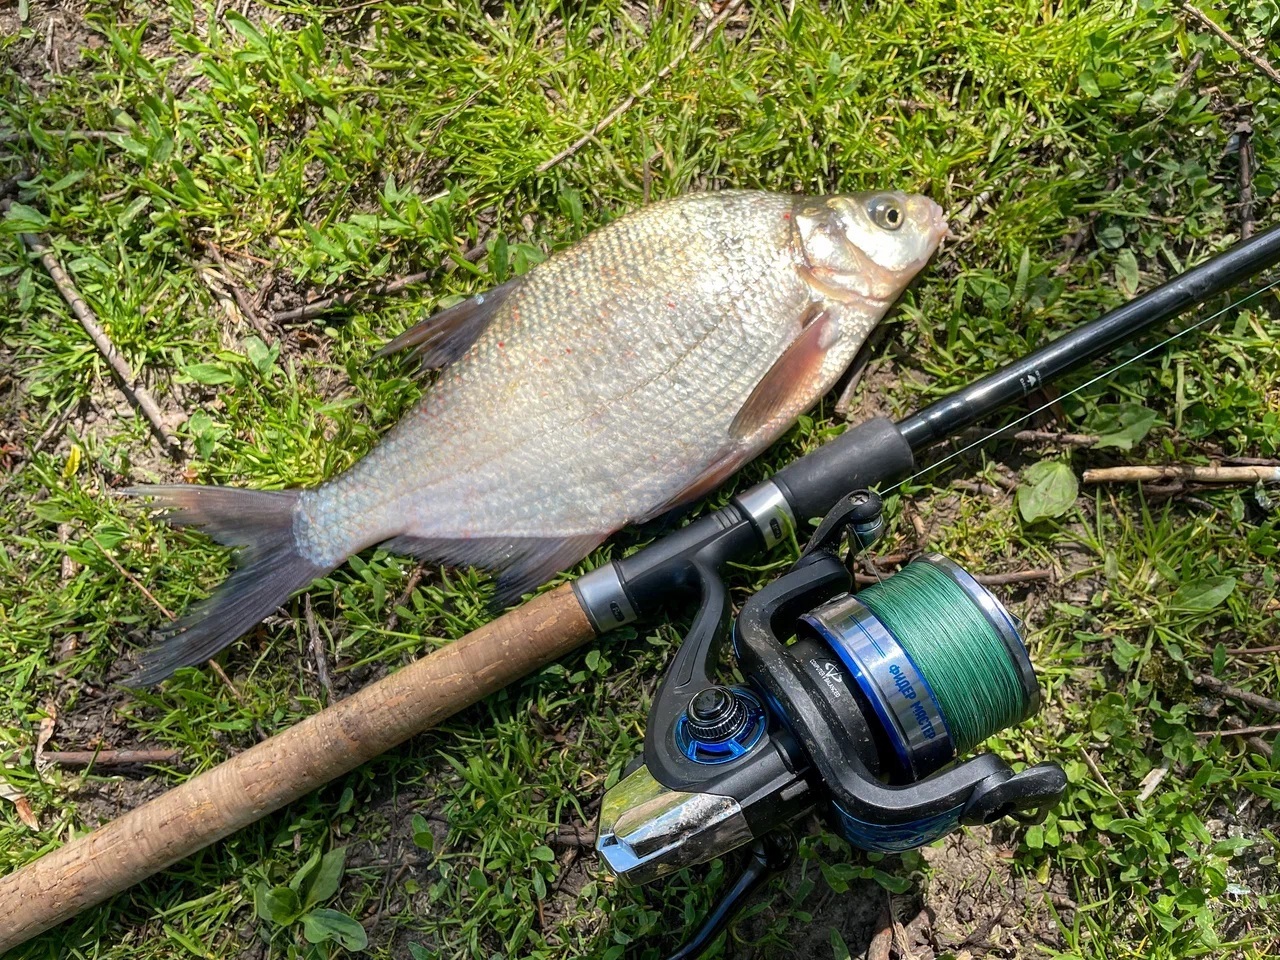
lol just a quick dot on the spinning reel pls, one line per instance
(863, 718)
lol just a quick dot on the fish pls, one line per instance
(626, 375)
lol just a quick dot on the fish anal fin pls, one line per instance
(443, 337)
(789, 378)
(521, 563)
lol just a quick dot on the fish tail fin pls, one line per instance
(269, 568)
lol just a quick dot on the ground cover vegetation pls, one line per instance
(202, 169)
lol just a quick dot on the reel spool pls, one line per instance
(866, 716)
(937, 658)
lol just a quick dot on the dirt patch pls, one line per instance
(982, 903)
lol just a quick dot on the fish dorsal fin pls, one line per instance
(789, 376)
(443, 337)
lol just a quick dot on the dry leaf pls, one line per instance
(46, 732)
(9, 792)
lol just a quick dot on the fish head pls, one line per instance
(867, 246)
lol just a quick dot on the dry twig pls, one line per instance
(135, 391)
(1245, 132)
(1235, 693)
(986, 579)
(878, 948)
(712, 26)
(1062, 439)
(1258, 61)
(1251, 651)
(318, 652)
(1017, 576)
(415, 578)
(169, 614)
(1183, 471)
(82, 759)
(1256, 744)
(315, 307)
(1240, 731)
(238, 292)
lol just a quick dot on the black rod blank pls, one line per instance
(1072, 350)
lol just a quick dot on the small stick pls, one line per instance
(1245, 132)
(1235, 693)
(242, 298)
(1017, 576)
(1246, 651)
(1235, 44)
(1097, 775)
(714, 25)
(1063, 439)
(1257, 744)
(1150, 782)
(986, 579)
(1252, 461)
(983, 930)
(415, 578)
(169, 614)
(878, 948)
(574, 835)
(82, 759)
(133, 390)
(317, 649)
(1184, 471)
(308, 310)
(315, 307)
(1240, 731)
(973, 486)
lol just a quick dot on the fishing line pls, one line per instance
(1088, 383)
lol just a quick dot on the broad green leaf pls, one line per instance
(279, 905)
(1203, 594)
(1121, 425)
(325, 882)
(1049, 490)
(304, 872)
(1127, 272)
(423, 838)
(208, 373)
(839, 949)
(21, 218)
(321, 925)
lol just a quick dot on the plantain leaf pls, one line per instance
(1049, 490)
(1204, 594)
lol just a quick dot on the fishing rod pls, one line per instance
(853, 763)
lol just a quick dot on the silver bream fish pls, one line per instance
(627, 374)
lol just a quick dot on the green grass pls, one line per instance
(322, 147)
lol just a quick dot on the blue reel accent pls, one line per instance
(895, 837)
(739, 745)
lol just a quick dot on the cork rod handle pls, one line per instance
(287, 766)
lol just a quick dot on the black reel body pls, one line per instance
(840, 720)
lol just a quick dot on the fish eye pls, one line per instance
(886, 213)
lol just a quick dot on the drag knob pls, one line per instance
(715, 715)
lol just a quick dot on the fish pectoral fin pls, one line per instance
(443, 337)
(521, 563)
(785, 383)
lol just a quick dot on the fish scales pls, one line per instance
(625, 374)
